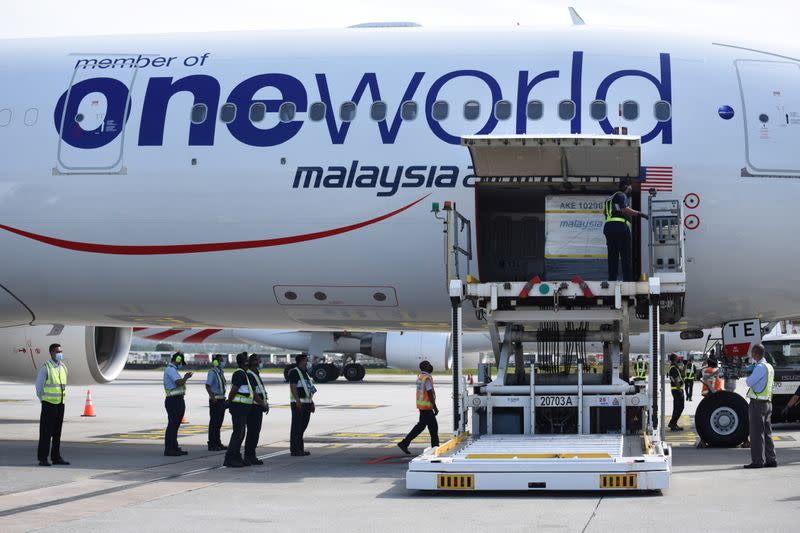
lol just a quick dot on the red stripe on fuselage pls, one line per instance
(200, 336)
(164, 334)
(168, 249)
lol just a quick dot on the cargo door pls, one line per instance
(771, 104)
(93, 113)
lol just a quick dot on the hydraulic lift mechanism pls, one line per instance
(558, 422)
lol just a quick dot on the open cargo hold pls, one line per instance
(551, 228)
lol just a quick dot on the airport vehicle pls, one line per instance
(330, 146)
(559, 427)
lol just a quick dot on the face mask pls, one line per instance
(59, 356)
(221, 364)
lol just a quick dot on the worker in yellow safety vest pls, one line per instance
(175, 390)
(51, 388)
(617, 229)
(688, 379)
(640, 368)
(301, 395)
(240, 402)
(676, 384)
(760, 382)
(426, 404)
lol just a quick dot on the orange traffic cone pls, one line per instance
(183, 420)
(88, 409)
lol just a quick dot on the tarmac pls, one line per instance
(354, 480)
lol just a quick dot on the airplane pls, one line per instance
(284, 179)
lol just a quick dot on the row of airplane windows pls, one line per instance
(30, 117)
(598, 110)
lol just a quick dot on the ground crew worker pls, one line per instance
(301, 396)
(794, 400)
(640, 368)
(617, 229)
(676, 383)
(215, 387)
(710, 377)
(51, 388)
(760, 381)
(175, 389)
(688, 379)
(426, 404)
(240, 402)
(256, 415)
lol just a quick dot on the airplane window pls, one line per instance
(630, 110)
(5, 117)
(566, 110)
(199, 113)
(348, 111)
(227, 113)
(662, 110)
(409, 110)
(502, 110)
(287, 111)
(440, 110)
(31, 116)
(257, 112)
(472, 110)
(378, 111)
(598, 110)
(317, 111)
(535, 110)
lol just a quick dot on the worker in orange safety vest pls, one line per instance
(426, 404)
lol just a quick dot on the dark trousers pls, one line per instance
(761, 445)
(254, 419)
(216, 414)
(677, 407)
(689, 387)
(50, 422)
(300, 419)
(618, 242)
(239, 413)
(176, 408)
(426, 420)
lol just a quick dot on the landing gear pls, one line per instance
(354, 372)
(721, 420)
(325, 372)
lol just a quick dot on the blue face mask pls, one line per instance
(59, 356)
(222, 364)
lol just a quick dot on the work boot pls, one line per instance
(754, 465)
(676, 428)
(771, 464)
(44, 462)
(233, 463)
(222, 446)
(60, 461)
(404, 448)
(173, 453)
(253, 460)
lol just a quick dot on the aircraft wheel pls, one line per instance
(354, 372)
(334, 372)
(721, 419)
(321, 373)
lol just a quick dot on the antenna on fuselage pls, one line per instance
(576, 19)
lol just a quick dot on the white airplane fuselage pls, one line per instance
(117, 212)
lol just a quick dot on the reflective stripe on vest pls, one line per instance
(305, 384)
(260, 389)
(710, 375)
(246, 399)
(218, 372)
(179, 390)
(55, 384)
(680, 377)
(766, 392)
(641, 369)
(609, 211)
(424, 402)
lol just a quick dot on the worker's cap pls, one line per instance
(241, 358)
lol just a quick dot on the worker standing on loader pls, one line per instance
(426, 404)
(710, 377)
(617, 230)
(676, 382)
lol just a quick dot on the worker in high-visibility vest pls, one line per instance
(676, 384)
(240, 403)
(175, 390)
(301, 396)
(426, 404)
(710, 377)
(617, 229)
(688, 379)
(760, 382)
(51, 388)
(256, 416)
(215, 387)
(640, 368)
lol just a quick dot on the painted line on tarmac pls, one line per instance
(122, 488)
